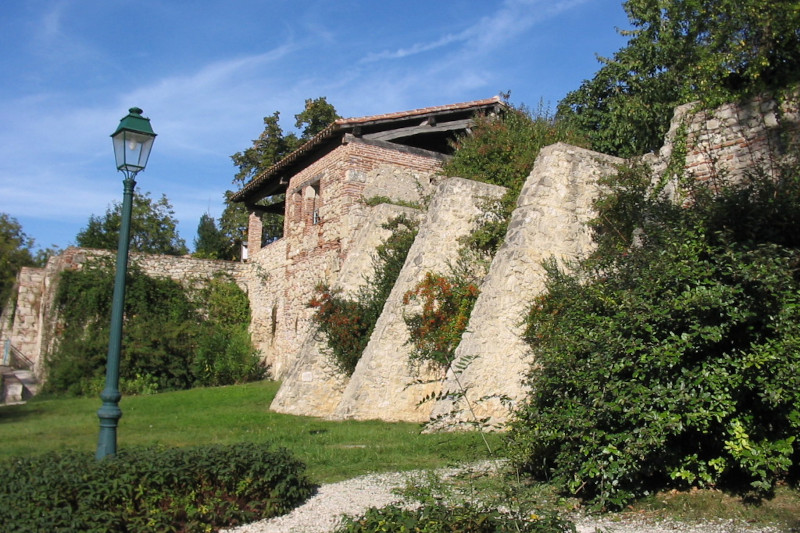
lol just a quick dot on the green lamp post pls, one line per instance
(132, 143)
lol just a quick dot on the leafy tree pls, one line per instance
(679, 51)
(315, 117)
(153, 228)
(671, 357)
(15, 253)
(211, 242)
(270, 147)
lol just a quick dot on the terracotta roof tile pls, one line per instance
(346, 124)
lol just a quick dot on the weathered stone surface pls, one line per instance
(398, 185)
(313, 385)
(381, 386)
(549, 221)
(324, 214)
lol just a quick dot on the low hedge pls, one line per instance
(440, 518)
(150, 489)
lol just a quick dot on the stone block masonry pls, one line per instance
(325, 213)
(549, 221)
(313, 385)
(382, 386)
(35, 321)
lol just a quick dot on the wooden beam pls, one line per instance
(423, 128)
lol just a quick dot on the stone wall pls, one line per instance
(381, 386)
(330, 233)
(34, 324)
(324, 213)
(549, 221)
(723, 145)
(313, 385)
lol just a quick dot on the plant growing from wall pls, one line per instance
(173, 337)
(670, 357)
(436, 329)
(346, 324)
(501, 151)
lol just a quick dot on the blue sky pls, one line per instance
(207, 72)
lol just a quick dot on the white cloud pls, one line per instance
(414, 49)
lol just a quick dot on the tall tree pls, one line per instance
(680, 51)
(210, 242)
(269, 148)
(317, 115)
(15, 253)
(154, 228)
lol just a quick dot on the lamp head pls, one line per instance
(133, 141)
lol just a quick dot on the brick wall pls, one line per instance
(324, 211)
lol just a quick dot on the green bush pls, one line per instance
(347, 324)
(173, 337)
(439, 518)
(150, 489)
(501, 151)
(671, 358)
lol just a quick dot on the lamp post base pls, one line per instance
(109, 415)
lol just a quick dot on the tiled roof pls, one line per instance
(344, 125)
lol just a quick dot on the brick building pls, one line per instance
(325, 183)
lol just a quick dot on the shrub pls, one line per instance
(501, 151)
(173, 337)
(151, 489)
(347, 324)
(435, 331)
(439, 518)
(671, 359)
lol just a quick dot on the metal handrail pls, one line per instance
(16, 358)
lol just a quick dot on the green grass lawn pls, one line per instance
(332, 450)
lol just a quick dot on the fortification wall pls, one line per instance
(313, 385)
(723, 145)
(549, 221)
(331, 232)
(383, 384)
(324, 215)
(711, 147)
(35, 322)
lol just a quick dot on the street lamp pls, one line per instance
(132, 143)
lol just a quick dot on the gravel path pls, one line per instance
(321, 513)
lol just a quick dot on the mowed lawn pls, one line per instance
(225, 415)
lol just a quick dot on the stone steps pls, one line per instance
(17, 385)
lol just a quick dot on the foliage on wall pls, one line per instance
(670, 357)
(501, 151)
(446, 302)
(173, 337)
(346, 324)
(680, 51)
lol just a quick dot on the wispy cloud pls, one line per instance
(489, 33)
(414, 49)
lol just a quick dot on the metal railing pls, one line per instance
(14, 358)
